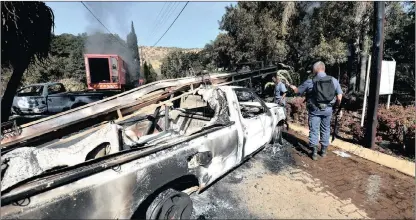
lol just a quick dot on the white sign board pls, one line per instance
(388, 70)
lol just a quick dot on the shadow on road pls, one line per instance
(276, 157)
(300, 145)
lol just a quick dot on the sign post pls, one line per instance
(388, 101)
(366, 90)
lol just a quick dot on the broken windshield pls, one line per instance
(31, 91)
(250, 104)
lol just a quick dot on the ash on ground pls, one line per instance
(218, 201)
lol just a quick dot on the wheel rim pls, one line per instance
(176, 206)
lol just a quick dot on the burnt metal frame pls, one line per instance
(47, 181)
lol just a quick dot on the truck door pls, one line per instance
(256, 121)
(115, 78)
(221, 144)
(122, 71)
(57, 98)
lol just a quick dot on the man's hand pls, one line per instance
(339, 99)
(339, 115)
(294, 88)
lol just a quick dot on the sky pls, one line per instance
(196, 26)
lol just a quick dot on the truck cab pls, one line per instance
(50, 98)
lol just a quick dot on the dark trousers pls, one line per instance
(319, 129)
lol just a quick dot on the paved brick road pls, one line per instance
(283, 182)
(380, 191)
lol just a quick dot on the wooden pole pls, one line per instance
(373, 99)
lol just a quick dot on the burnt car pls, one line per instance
(145, 166)
(50, 98)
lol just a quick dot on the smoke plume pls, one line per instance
(114, 16)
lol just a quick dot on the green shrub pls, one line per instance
(396, 125)
(296, 110)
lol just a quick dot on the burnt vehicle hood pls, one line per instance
(28, 102)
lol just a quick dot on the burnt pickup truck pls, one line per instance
(145, 166)
(50, 98)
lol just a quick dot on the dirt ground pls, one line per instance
(283, 182)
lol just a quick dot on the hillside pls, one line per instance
(154, 55)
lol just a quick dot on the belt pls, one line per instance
(318, 106)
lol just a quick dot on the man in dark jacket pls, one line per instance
(322, 93)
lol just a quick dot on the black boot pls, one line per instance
(314, 152)
(323, 151)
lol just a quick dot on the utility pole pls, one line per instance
(371, 127)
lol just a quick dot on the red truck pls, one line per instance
(108, 72)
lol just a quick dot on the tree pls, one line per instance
(331, 53)
(149, 73)
(65, 63)
(277, 32)
(208, 57)
(400, 43)
(363, 26)
(338, 20)
(222, 51)
(179, 64)
(26, 35)
(299, 46)
(134, 48)
(258, 30)
(171, 66)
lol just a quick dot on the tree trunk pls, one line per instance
(9, 93)
(353, 65)
(363, 67)
(350, 65)
(357, 71)
(339, 72)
